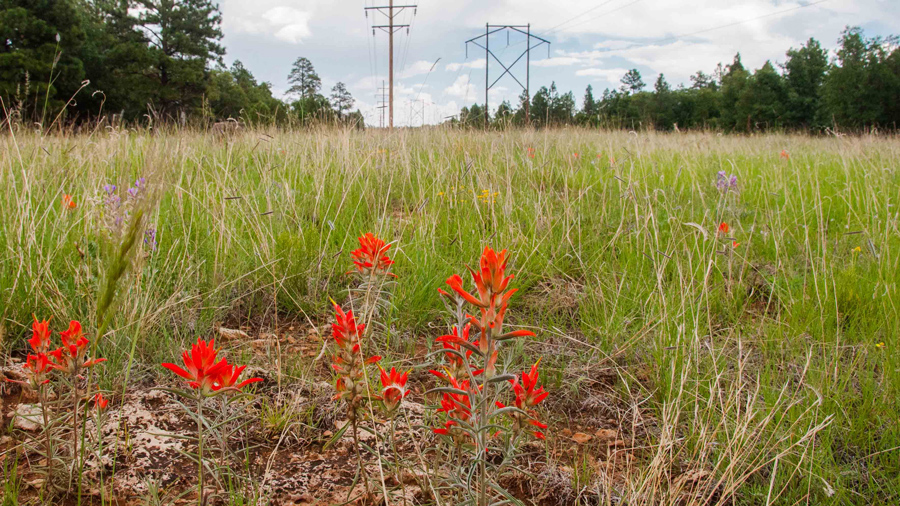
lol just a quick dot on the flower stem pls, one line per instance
(200, 450)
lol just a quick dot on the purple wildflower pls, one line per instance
(150, 238)
(726, 182)
(135, 190)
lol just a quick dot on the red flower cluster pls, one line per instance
(203, 372)
(348, 361)
(457, 406)
(530, 152)
(527, 396)
(70, 358)
(492, 300)
(491, 281)
(393, 388)
(371, 256)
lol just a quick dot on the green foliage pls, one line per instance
(234, 93)
(40, 47)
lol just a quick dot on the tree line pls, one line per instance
(156, 61)
(71, 61)
(857, 88)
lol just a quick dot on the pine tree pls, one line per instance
(303, 78)
(631, 82)
(341, 99)
(184, 39)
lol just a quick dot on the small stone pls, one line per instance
(28, 417)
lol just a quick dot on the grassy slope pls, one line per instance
(742, 353)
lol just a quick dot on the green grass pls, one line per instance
(760, 362)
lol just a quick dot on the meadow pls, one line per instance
(705, 338)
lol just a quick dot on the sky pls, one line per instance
(592, 42)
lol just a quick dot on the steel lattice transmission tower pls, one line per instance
(489, 30)
(390, 11)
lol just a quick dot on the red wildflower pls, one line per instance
(723, 228)
(456, 365)
(229, 376)
(526, 394)
(530, 152)
(37, 367)
(201, 369)
(457, 406)
(100, 402)
(785, 155)
(455, 282)
(493, 269)
(40, 339)
(393, 387)
(372, 255)
(73, 354)
(68, 202)
(346, 332)
(735, 244)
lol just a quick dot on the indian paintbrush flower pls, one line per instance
(40, 339)
(72, 356)
(204, 373)
(372, 255)
(393, 388)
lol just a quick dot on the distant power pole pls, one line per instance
(390, 28)
(525, 30)
(382, 102)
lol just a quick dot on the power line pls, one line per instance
(592, 9)
(605, 13)
(705, 30)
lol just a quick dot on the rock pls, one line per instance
(28, 417)
(227, 333)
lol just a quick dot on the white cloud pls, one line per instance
(474, 64)
(461, 88)
(287, 24)
(556, 61)
(414, 69)
(608, 75)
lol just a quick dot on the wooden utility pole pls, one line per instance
(390, 28)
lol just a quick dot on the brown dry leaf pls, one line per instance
(606, 434)
(581, 438)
